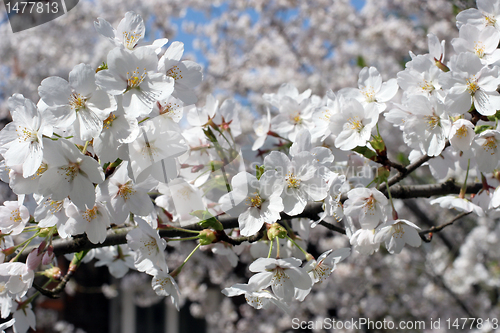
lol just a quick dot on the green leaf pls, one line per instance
(369, 154)
(482, 128)
(259, 171)
(208, 220)
(360, 61)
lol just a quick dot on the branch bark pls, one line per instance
(312, 211)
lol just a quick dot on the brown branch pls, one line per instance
(409, 169)
(312, 211)
(440, 227)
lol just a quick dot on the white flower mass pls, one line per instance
(314, 187)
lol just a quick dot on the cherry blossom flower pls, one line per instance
(70, 173)
(371, 90)
(164, 285)
(397, 233)
(134, 75)
(123, 196)
(77, 102)
(486, 147)
(301, 178)
(483, 43)
(19, 278)
(458, 203)
(293, 117)
(21, 140)
(368, 205)
(255, 202)
(119, 259)
(462, 134)
(428, 125)
(486, 14)
(129, 33)
(93, 221)
(363, 241)
(352, 127)
(319, 270)
(283, 275)
(13, 217)
(24, 319)
(421, 78)
(187, 74)
(157, 148)
(148, 246)
(471, 82)
(286, 90)
(258, 299)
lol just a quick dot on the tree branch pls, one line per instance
(440, 227)
(312, 211)
(409, 169)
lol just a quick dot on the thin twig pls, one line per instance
(440, 227)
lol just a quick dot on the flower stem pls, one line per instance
(85, 147)
(179, 269)
(463, 190)
(26, 243)
(181, 239)
(270, 249)
(394, 213)
(181, 229)
(277, 248)
(297, 245)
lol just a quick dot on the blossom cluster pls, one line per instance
(123, 146)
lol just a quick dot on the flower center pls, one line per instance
(150, 245)
(490, 20)
(175, 73)
(398, 230)
(70, 171)
(135, 79)
(15, 216)
(490, 145)
(55, 206)
(26, 135)
(369, 93)
(297, 120)
(355, 124)
(427, 86)
(462, 132)
(130, 39)
(432, 121)
(292, 180)
(321, 271)
(479, 49)
(255, 201)
(125, 191)
(108, 122)
(91, 214)
(472, 85)
(77, 101)
(370, 204)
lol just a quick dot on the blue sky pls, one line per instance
(201, 18)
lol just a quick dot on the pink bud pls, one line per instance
(48, 256)
(33, 260)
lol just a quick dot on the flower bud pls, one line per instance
(207, 236)
(34, 259)
(276, 230)
(48, 256)
(53, 273)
